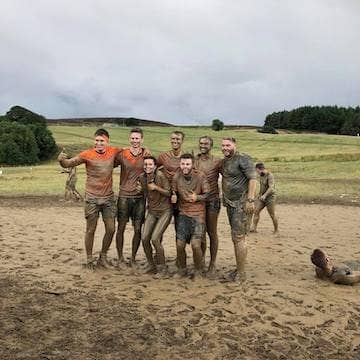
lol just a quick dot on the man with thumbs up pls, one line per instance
(99, 196)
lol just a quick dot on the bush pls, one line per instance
(17, 144)
(37, 124)
(268, 130)
(45, 142)
(351, 126)
(217, 125)
(132, 122)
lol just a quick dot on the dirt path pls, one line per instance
(54, 309)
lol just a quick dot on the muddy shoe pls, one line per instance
(181, 273)
(211, 272)
(90, 264)
(162, 272)
(103, 262)
(119, 264)
(239, 277)
(150, 270)
(197, 274)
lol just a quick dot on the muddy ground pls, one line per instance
(52, 308)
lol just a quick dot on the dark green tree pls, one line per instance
(37, 124)
(352, 125)
(17, 144)
(217, 125)
(132, 121)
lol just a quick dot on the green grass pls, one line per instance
(307, 167)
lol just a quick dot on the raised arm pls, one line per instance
(72, 162)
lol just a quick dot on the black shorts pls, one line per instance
(133, 208)
(189, 228)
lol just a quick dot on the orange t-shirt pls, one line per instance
(170, 164)
(132, 166)
(99, 168)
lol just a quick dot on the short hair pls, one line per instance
(149, 157)
(187, 156)
(318, 258)
(102, 132)
(178, 132)
(208, 138)
(137, 130)
(260, 166)
(229, 138)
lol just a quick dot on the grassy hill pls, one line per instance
(307, 167)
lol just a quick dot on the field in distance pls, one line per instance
(307, 167)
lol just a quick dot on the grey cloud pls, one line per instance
(181, 62)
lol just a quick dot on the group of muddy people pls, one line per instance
(178, 185)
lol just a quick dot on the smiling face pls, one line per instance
(100, 143)
(176, 141)
(186, 166)
(204, 146)
(135, 139)
(228, 148)
(149, 166)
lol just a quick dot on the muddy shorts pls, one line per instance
(213, 205)
(94, 206)
(269, 201)
(189, 228)
(238, 219)
(133, 208)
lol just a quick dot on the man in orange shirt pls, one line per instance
(131, 203)
(99, 196)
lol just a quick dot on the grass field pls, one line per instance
(307, 167)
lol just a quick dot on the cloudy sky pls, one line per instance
(183, 62)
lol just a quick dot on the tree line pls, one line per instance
(328, 119)
(24, 138)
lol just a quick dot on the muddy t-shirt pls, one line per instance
(170, 163)
(132, 166)
(266, 182)
(237, 171)
(210, 166)
(157, 202)
(99, 168)
(197, 183)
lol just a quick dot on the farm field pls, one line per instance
(307, 167)
(55, 309)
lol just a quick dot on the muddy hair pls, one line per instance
(260, 166)
(208, 138)
(101, 132)
(318, 258)
(137, 130)
(187, 156)
(177, 132)
(149, 157)
(229, 138)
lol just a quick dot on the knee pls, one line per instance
(196, 245)
(238, 238)
(180, 245)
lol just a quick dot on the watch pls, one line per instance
(250, 200)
